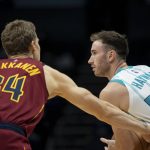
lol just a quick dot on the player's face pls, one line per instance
(36, 49)
(98, 59)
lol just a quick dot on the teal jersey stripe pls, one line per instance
(118, 81)
(120, 69)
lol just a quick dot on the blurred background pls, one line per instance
(64, 28)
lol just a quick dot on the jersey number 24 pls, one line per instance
(14, 86)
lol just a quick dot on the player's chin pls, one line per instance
(96, 74)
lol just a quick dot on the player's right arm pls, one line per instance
(58, 84)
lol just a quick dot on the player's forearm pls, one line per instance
(103, 110)
(120, 119)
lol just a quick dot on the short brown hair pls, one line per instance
(17, 37)
(113, 40)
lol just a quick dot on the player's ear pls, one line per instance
(32, 46)
(111, 55)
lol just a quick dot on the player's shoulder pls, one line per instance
(113, 92)
(50, 70)
(55, 74)
(111, 88)
(144, 68)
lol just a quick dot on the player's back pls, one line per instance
(23, 92)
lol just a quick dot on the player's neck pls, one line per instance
(121, 64)
(20, 56)
(117, 66)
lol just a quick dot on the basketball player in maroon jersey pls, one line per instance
(26, 84)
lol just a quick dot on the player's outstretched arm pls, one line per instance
(58, 84)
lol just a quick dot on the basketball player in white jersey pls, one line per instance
(128, 87)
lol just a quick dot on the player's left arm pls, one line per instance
(64, 86)
(104, 111)
(117, 95)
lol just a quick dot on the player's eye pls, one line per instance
(94, 53)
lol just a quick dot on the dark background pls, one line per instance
(64, 27)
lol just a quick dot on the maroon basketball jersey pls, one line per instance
(23, 92)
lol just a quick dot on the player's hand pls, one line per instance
(110, 144)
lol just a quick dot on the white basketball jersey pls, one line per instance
(137, 81)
